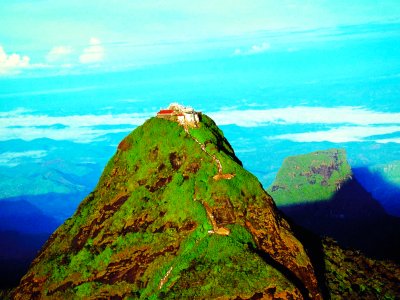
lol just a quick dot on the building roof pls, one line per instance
(165, 112)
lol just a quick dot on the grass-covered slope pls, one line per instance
(310, 177)
(173, 216)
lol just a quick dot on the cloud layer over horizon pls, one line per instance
(345, 124)
(13, 159)
(21, 124)
(304, 115)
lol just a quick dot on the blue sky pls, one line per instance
(81, 36)
(281, 77)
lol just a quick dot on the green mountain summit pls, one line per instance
(174, 215)
(311, 177)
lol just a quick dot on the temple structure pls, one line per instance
(185, 116)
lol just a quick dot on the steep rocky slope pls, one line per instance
(173, 216)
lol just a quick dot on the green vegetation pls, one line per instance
(310, 177)
(351, 275)
(222, 266)
(149, 229)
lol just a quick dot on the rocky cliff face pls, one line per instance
(173, 216)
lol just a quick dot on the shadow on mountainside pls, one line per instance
(24, 229)
(315, 250)
(17, 250)
(354, 218)
(58, 206)
(389, 193)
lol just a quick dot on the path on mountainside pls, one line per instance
(203, 148)
(165, 278)
(220, 175)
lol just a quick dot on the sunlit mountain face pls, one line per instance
(277, 86)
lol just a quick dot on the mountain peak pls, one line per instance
(311, 177)
(174, 215)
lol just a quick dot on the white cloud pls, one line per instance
(14, 113)
(75, 134)
(237, 51)
(12, 159)
(305, 115)
(10, 63)
(391, 140)
(353, 124)
(19, 124)
(25, 120)
(58, 53)
(342, 134)
(255, 49)
(93, 53)
(259, 48)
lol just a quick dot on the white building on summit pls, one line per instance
(185, 116)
